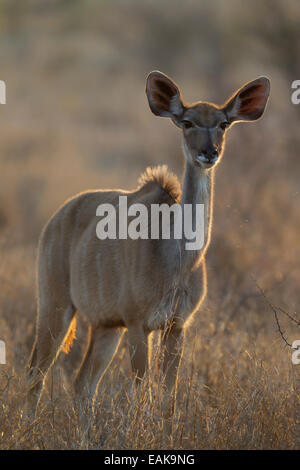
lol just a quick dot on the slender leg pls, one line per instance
(173, 347)
(138, 345)
(52, 326)
(103, 344)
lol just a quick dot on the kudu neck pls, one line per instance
(197, 185)
(197, 188)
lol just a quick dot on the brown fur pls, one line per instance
(164, 179)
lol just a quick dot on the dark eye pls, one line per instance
(187, 124)
(224, 124)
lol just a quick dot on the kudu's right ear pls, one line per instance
(164, 97)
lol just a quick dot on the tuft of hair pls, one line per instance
(160, 176)
(70, 336)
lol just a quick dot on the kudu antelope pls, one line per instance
(138, 285)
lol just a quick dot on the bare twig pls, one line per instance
(297, 322)
(273, 308)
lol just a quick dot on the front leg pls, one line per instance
(172, 341)
(138, 346)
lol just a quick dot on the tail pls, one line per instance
(70, 336)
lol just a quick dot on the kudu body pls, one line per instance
(138, 285)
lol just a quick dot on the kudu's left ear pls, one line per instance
(249, 102)
(164, 96)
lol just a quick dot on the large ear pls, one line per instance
(249, 102)
(164, 96)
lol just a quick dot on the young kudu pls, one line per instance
(139, 285)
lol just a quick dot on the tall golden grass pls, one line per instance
(76, 117)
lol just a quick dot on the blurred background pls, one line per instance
(77, 118)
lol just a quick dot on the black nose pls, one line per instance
(210, 154)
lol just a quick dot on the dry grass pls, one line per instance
(76, 117)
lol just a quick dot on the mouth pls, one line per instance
(204, 162)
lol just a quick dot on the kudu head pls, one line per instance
(204, 124)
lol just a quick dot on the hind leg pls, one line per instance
(102, 346)
(52, 326)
